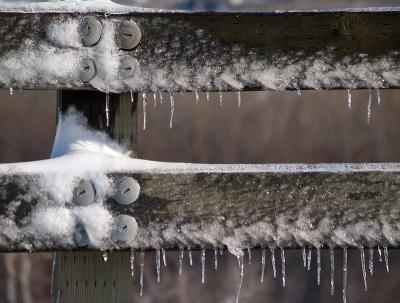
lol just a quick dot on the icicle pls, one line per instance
(158, 264)
(241, 261)
(385, 251)
(180, 262)
(262, 265)
(141, 272)
(208, 96)
(221, 251)
(283, 267)
(298, 92)
(239, 98)
(11, 91)
(58, 296)
(369, 109)
(364, 272)
(371, 261)
(378, 96)
(221, 100)
(155, 99)
(349, 98)
(203, 265)
(215, 259)
(380, 254)
(249, 254)
(160, 95)
(318, 266)
(273, 261)
(133, 263)
(332, 255)
(132, 99)
(172, 109)
(105, 256)
(53, 270)
(190, 257)
(303, 252)
(164, 257)
(144, 97)
(108, 110)
(344, 291)
(309, 259)
(196, 94)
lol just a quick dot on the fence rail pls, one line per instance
(183, 51)
(205, 210)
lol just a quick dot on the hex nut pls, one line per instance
(128, 35)
(87, 70)
(129, 67)
(80, 236)
(84, 193)
(90, 30)
(125, 229)
(127, 191)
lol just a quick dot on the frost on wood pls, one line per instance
(201, 52)
(195, 205)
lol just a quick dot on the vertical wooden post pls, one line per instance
(82, 277)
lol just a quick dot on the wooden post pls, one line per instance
(82, 277)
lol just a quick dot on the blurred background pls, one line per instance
(269, 127)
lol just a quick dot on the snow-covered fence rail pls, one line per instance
(246, 206)
(184, 51)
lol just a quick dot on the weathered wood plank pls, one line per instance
(285, 209)
(182, 51)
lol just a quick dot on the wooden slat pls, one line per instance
(332, 49)
(197, 209)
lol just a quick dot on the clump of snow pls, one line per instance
(75, 136)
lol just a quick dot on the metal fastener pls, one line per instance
(129, 67)
(90, 31)
(125, 229)
(84, 193)
(87, 70)
(80, 236)
(127, 190)
(128, 35)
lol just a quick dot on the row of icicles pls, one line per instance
(197, 98)
(159, 96)
(306, 257)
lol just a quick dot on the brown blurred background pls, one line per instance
(269, 127)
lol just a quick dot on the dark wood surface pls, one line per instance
(205, 209)
(175, 48)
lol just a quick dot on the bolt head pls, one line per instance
(80, 236)
(127, 191)
(129, 67)
(87, 70)
(125, 229)
(129, 35)
(90, 31)
(84, 193)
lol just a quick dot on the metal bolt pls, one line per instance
(129, 35)
(90, 30)
(87, 70)
(127, 191)
(125, 229)
(80, 236)
(83, 194)
(129, 67)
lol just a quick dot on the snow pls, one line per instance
(70, 6)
